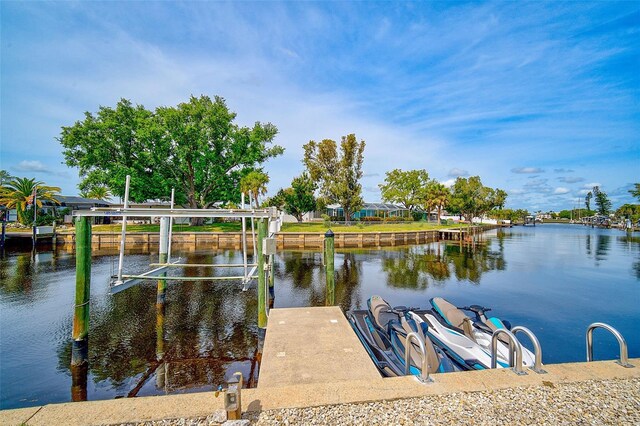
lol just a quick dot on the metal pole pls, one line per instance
(253, 232)
(329, 271)
(35, 215)
(79, 353)
(244, 242)
(124, 230)
(173, 197)
(262, 300)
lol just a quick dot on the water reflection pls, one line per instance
(431, 266)
(200, 333)
(186, 340)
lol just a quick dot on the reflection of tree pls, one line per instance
(209, 327)
(634, 242)
(298, 266)
(421, 267)
(20, 280)
(603, 244)
(470, 262)
(347, 280)
(415, 267)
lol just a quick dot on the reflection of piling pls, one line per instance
(79, 353)
(262, 284)
(329, 252)
(79, 375)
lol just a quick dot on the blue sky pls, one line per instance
(540, 99)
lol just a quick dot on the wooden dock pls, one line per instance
(311, 346)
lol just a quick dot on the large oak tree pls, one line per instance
(195, 147)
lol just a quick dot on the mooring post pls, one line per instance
(329, 252)
(4, 227)
(79, 352)
(262, 284)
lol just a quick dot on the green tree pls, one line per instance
(114, 143)
(587, 201)
(405, 188)
(602, 201)
(636, 191)
(298, 199)
(470, 198)
(630, 211)
(195, 147)
(97, 192)
(337, 175)
(255, 182)
(18, 193)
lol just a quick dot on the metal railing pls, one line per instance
(537, 349)
(424, 369)
(514, 347)
(624, 358)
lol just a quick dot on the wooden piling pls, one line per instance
(79, 353)
(262, 288)
(329, 252)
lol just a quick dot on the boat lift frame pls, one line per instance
(124, 281)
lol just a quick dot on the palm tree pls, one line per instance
(440, 195)
(99, 192)
(18, 193)
(5, 177)
(256, 182)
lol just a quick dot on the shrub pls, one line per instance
(371, 219)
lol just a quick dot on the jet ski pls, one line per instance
(464, 339)
(383, 332)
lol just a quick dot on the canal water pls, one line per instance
(553, 279)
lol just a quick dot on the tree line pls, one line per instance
(197, 148)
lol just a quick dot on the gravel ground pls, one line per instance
(595, 402)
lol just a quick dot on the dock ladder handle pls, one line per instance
(514, 347)
(624, 358)
(537, 349)
(424, 370)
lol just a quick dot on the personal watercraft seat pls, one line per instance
(387, 319)
(454, 316)
(458, 319)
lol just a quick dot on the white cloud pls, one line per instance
(455, 172)
(566, 179)
(516, 191)
(561, 190)
(448, 183)
(590, 186)
(32, 166)
(526, 170)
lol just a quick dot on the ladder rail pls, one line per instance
(424, 369)
(537, 349)
(624, 357)
(514, 347)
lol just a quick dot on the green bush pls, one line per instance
(371, 219)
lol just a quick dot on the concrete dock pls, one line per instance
(312, 345)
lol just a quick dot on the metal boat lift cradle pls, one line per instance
(124, 281)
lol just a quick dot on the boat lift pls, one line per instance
(123, 281)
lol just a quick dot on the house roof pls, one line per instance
(70, 200)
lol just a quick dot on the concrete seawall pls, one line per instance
(285, 240)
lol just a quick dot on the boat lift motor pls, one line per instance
(232, 401)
